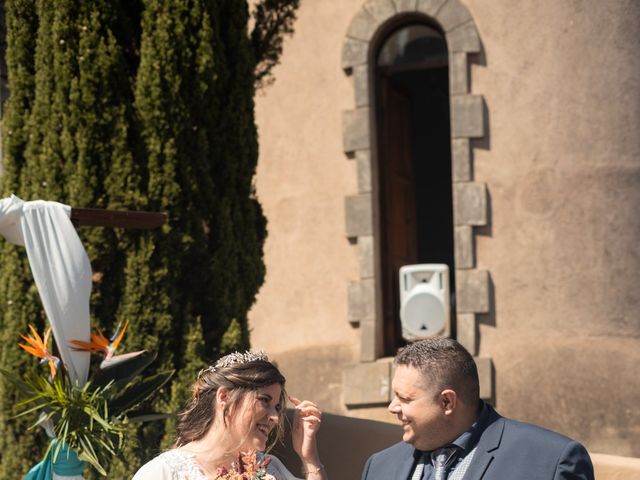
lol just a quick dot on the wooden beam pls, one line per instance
(96, 217)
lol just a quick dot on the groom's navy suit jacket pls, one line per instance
(507, 450)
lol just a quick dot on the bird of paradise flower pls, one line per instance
(108, 346)
(38, 348)
(89, 418)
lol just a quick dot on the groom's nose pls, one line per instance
(394, 406)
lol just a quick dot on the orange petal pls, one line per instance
(33, 351)
(100, 339)
(35, 334)
(85, 346)
(32, 341)
(116, 342)
(52, 368)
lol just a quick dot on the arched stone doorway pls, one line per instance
(364, 213)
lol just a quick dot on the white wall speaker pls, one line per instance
(424, 300)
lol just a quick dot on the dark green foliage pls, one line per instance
(19, 301)
(66, 125)
(273, 20)
(146, 105)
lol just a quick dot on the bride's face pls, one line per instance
(257, 416)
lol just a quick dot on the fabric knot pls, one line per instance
(442, 458)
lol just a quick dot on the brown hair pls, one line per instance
(240, 378)
(444, 363)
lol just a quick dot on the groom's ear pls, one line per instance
(448, 401)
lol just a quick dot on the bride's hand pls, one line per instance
(306, 422)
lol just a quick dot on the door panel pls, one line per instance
(397, 202)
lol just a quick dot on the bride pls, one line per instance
(237, 405)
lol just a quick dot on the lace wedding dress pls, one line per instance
(180, 465)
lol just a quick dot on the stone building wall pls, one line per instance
(560, 158)
(562, 164)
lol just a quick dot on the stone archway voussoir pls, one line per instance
(453, 14)
(403, 6)
(380, 10)
(354, 53)
(363, 26)
(430, 7)
(464, 38)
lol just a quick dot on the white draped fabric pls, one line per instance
(60, 268)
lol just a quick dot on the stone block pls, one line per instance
(461, 158)
(467, 331)
(359, 216)
(362, 26)
(469, 203)
(464, 38)
(354, 53)
(405, 5)
(485, 374)
(367, 383)
(452, 14)
(463, 247)
(458, 74)
(361, 301)
(367, 341)
(355, 129)
(361, 85)
(467, 116)
(472, 291)
(366, 256)
(429, 7)
(380, 10)
(363, 166)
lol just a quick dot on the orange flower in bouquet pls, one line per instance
(246, 468)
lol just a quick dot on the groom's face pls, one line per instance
(419, 410)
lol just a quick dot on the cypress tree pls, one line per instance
(66, 125)
(140, 104)
(168, 104)
(18, 296)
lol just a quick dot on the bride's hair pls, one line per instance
(240, 378)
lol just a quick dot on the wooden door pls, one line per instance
(398, 237)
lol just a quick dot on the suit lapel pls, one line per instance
(487, 445)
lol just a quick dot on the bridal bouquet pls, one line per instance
(87, 419)
(246, 468)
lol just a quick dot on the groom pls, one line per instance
(450, 434)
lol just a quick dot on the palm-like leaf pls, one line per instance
(18, 383)
(137, 393)
(148, 417)
(124, 371)
(81, 416)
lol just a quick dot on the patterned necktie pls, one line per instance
(417, 473)
(441, 459)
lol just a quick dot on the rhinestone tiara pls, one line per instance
(234, 358)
